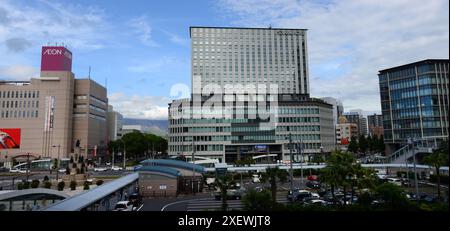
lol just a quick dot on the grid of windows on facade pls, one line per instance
(93, 109)
(304, 137)
(411, 93)
(223, 56)
(19, 104)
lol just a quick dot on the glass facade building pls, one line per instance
(415, 101)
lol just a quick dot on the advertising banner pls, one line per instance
(9, 138)
(56, 58)
(49, 113)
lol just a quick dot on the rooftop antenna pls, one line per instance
(89, 75)
(270, 26)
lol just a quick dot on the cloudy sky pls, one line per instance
(139, 49)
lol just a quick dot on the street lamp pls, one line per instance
(57, 161)
(290, 168)
(193, 165)
(299, 149)
(411, 142)
(321, 152)
(124, 153)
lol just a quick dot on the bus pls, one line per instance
(43, 164)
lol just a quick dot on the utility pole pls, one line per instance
(292, 160)
(193, 165)
(414, 165)
(124, 155)
(112, 164)
(57, 161)
(301, 161)
(28, 165)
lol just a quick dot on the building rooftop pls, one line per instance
(413, 64)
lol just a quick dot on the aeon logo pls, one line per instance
(53, 52)
(57, 52)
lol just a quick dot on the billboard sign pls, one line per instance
(49, 113)
(9, 138)
(55, 58)
(260, 148)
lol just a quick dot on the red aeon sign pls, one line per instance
(9, 138)
(56, 59)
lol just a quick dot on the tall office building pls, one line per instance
(251, 70)
(355, 116)
(415, 101)
(375, 124)
(115, 122)
(338, 110)
(53, 113)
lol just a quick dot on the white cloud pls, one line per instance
(155, 65)
(177, 39)
(143, 30)
(77, 26)
(140, 107)
(32, 25)
(359, 37)
(18, 72)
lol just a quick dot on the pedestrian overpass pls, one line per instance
(101, 198)
(29, 199)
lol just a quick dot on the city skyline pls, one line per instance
(150, 49)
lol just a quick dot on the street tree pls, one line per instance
(438, 159)
(224, 182)
(273, 176)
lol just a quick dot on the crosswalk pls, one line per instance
(210, 204)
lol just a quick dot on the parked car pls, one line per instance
(124, 206)
(395, 181)
(108, 163)
(116, 168)
(316, 202)
(256, 178)
(136, 200)
(62, 170)
(3, 169)
(14, 170)
(100, 169)
(299, 195)
(234, 193)
(313, 184)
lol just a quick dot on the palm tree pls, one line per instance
(437, 159)
(272, 175)
(223, 182)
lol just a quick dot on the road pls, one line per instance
(203, 201)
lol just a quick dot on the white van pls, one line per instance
(256, 178)
(395, 181)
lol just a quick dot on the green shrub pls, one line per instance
(47, 184)
(257, 201)
(35, 183)
(444, 179)
(99, 182)
(82, 170)
(26, 185)
(61, 185)
(86, 185)
(73, 185)
(20, 186)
